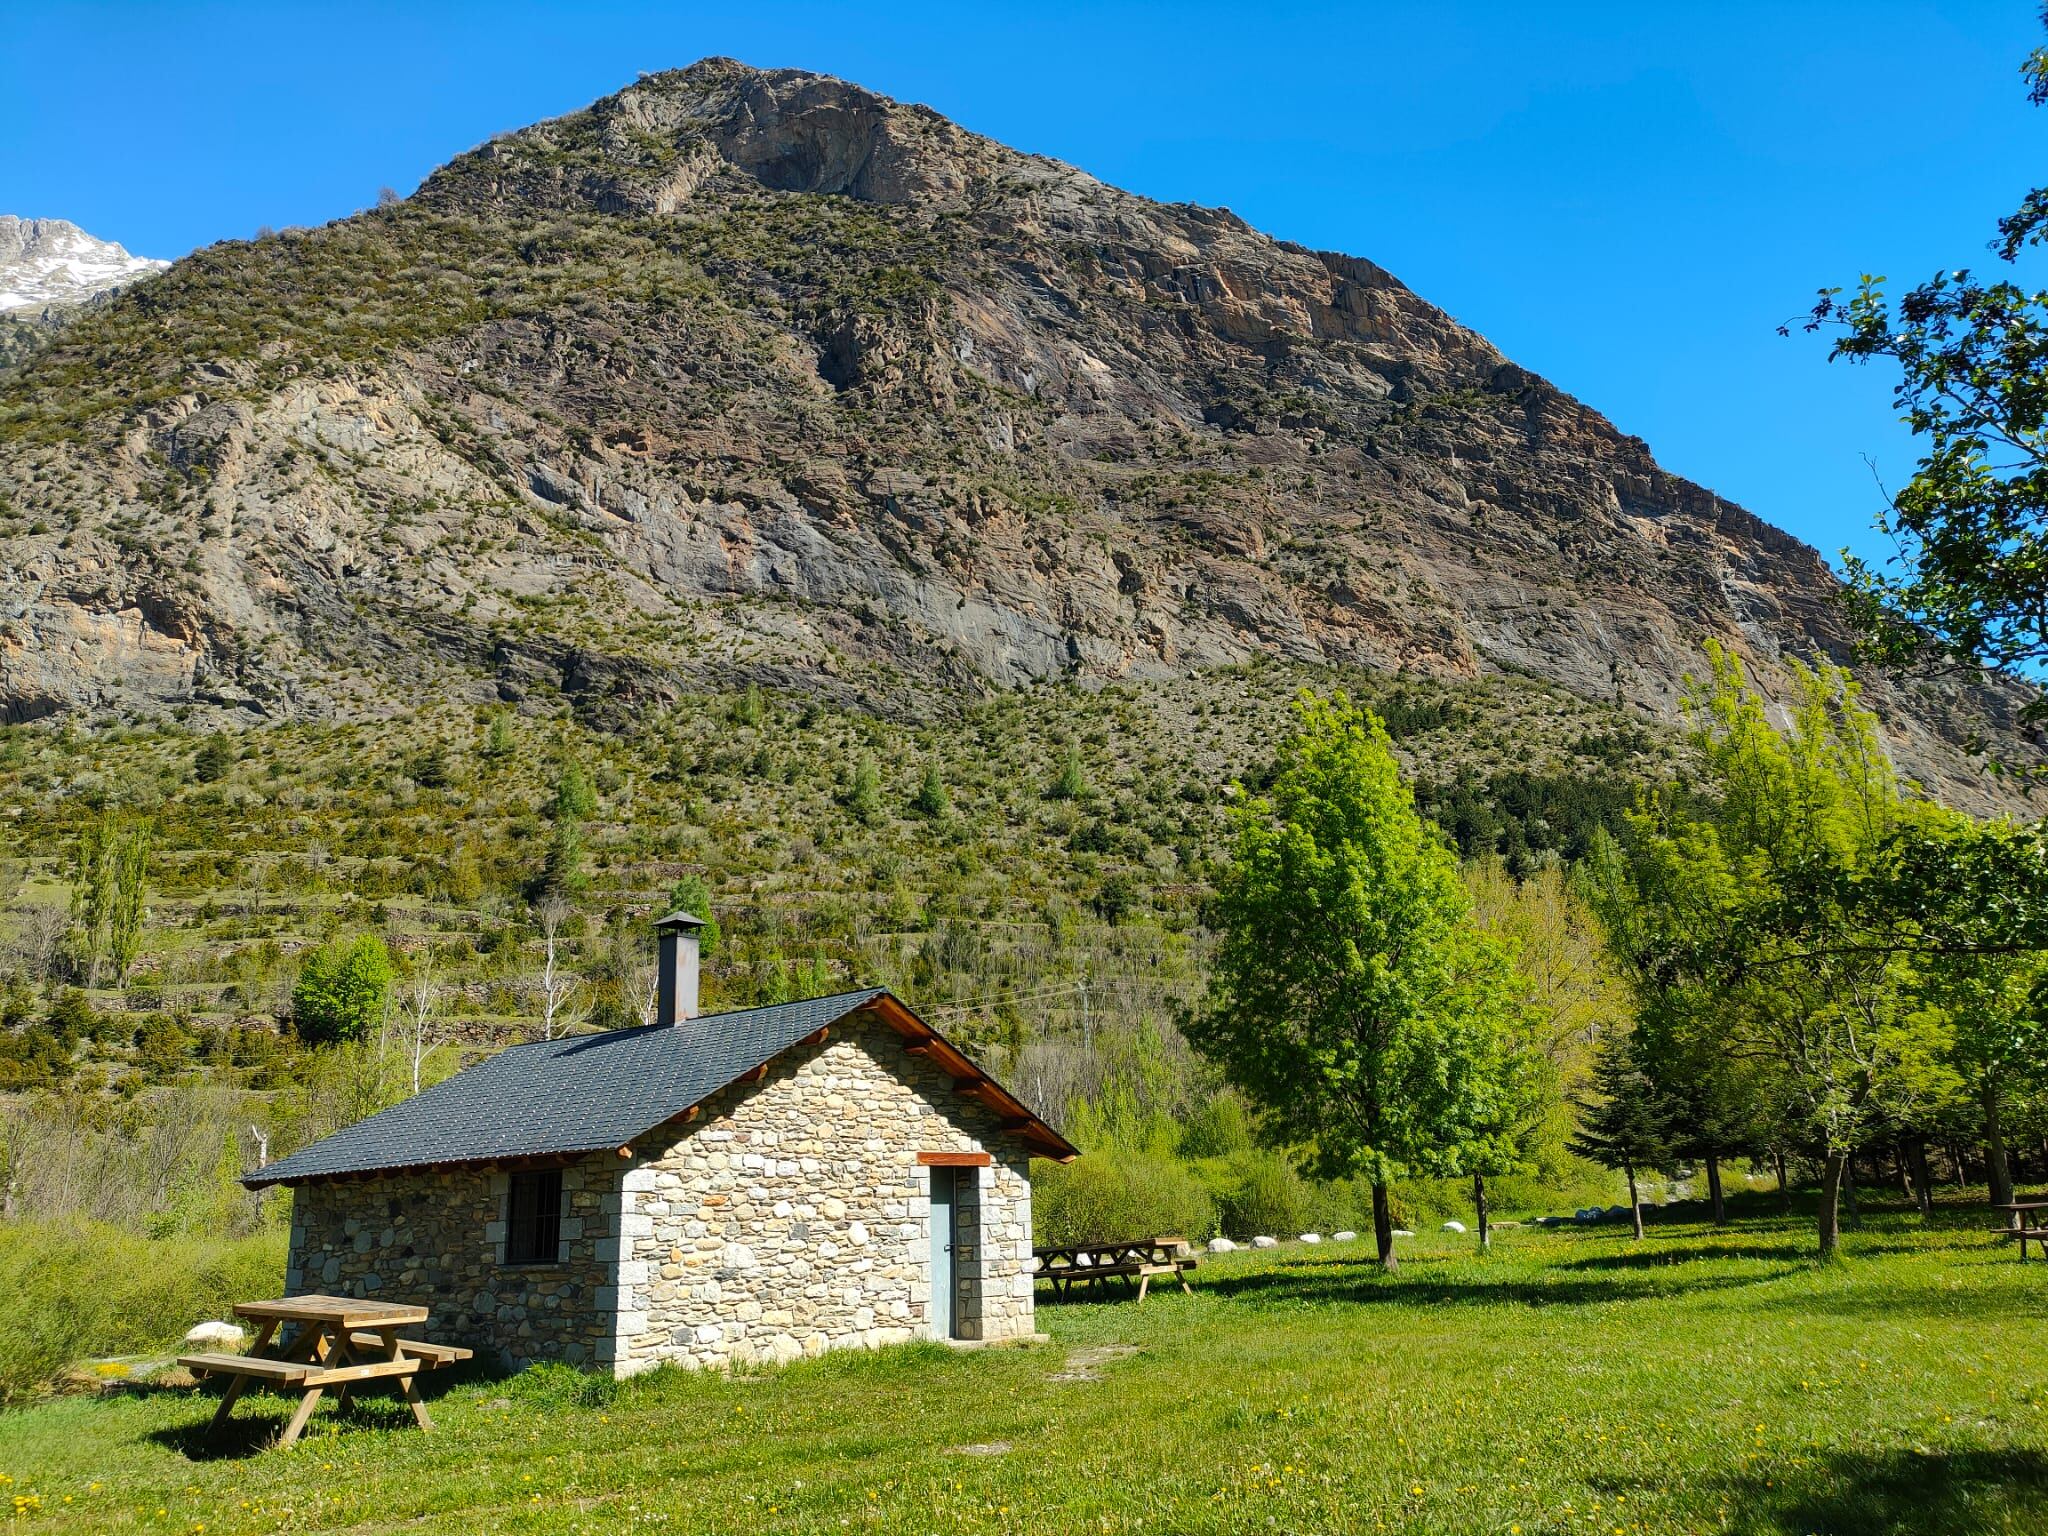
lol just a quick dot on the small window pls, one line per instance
(533, 1217)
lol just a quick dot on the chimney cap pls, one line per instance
(676, 921)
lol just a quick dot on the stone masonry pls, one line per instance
(798, 1219)
(789, 1216)
(438, 1239)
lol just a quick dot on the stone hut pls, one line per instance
(757, 1185)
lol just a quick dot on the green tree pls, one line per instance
(1624, 1124)
(342, 991)
(575, 798)
(130, 860)
(690, 894)
(499, 744)
(931, 798)
(213, 759)
(1971, 525)
(92, 896)
(1352, 997)
(1743, 930)
(1072, 782)
(863, 795)
(561, 870)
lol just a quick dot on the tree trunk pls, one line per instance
(1902, 1169)
(1997, 1171)
(1383, 1229)
(1923, 1176)
(1479, 1205)
(1714, 1189)
(1830, 1196)
(1784, 1189)
(1635, 1204)
(1849, 1189)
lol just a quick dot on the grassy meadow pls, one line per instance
(1571, 1381)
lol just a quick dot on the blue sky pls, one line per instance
(1625, 198)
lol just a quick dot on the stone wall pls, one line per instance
(437, 1240)
(793, 1217)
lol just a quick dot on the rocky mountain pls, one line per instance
(48, 267)
(53, 261)
(758, 374)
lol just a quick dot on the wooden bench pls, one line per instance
(430, 1356)
(1136, 1263)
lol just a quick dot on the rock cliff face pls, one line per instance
(757, 373)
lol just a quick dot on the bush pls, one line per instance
(1261, 1192)
(84, 1288)
(341, 989)
(1117, 1194)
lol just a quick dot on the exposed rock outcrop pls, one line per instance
(757, 373)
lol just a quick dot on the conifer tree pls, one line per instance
(1626, 1125)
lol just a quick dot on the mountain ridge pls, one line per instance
(758, 373)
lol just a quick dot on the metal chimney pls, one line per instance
(676, 989)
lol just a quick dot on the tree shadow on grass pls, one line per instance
(257, 1421)
(1898, 1493)
(1338, 1281)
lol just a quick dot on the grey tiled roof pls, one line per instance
(578, 1094)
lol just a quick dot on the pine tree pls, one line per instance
(931, 798)
(1628, 1126)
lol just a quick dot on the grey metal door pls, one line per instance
(942, 1253)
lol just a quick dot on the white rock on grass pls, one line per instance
(1265, 1242)
(1222, 1245)
(1311, 1237)
(1454, 1226)
(1402, 1232)
(1343, 1237)
(227, 1335)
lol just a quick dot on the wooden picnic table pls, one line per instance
(338, 1341)
(2029, 1223)
(1067, 1265)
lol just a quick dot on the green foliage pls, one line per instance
(931, 798)
(499, 741)
(1072, 783)
(1627, 1126)
(87, 1288)
(1763, 983)
(1116, 1195)
(690, 894)
(213, 759)
(1971, 525)
(863, 795)
(1352, 998)
(341, 991)
(575, 798)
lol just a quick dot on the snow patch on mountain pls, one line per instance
(53, 261)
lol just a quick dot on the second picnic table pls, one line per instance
(2029, 1223)
(1067, 1265)
(338, 1341)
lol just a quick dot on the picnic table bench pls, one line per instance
(2029, 1224)
(1067, 1265)
(337, 1341)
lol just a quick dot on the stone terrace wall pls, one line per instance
(434, 1239)
(793, 1217)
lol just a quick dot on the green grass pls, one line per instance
(1704, 1381)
